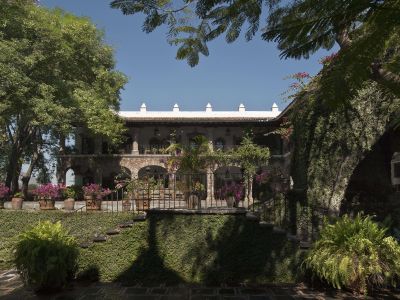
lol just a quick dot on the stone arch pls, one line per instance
(156, 172)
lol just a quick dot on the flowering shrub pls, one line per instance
(4, 191)
(48, 191)
(96, 191)
(328, 59)
(231, 190)
(262, 178)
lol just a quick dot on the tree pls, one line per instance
(56, 73)
(365, 30)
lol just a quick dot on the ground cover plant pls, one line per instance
(82, 227)
(176, 249)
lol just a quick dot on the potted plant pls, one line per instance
(16, 201)
(94, 194)
(4, 191)
(195, 197)
(69, 198)
(232, 193)
(47, 195)
(141, 190)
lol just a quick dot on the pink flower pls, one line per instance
(328, 59)
(4, 191)
(301, 75)
(48, 191)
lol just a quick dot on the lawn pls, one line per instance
(209, 249)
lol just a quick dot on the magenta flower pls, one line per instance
(48, 191)
(4, 191)
(95, 190)
(328, 59)
(301, 75)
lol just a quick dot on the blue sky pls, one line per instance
(248, 72)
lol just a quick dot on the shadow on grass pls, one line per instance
(149, 268)
(198, 249)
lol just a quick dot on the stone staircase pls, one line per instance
(101, 238)
(304, 245)
(250, 216)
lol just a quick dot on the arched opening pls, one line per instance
(156, 173)
(192, 183)
(70, 177)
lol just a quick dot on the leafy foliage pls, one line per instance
(46, 256)
(354, 253)
(56, 73)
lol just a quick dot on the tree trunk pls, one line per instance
(28, 174)
(13, 168)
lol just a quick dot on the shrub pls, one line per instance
(46, 256)
(355, 254)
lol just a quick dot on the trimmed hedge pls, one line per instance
(209, 249)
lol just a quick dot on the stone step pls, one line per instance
(252, 217)
(266, 224)
(125, 225)
(113, 231)
(305, 245)
(139, 218)
(293, 238)
(279, 230)
(85, 245)
(99, 239)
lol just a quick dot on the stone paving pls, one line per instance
(11, 287)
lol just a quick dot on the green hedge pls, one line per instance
(187, 248)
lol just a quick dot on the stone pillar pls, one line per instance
(98, 145)
(98, 175)
(248, 191)
(135, 142)
(210, 187)
(78, 140)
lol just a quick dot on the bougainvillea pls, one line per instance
(4, 191)
(234, 189)
(48, 191)
(96, 190)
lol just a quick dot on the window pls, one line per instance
(219, 144)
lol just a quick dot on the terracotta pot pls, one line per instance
(16, 203)
(142, 204)
(230, 201)
(47, 204)
(69, 204)
(126, 205)
(92, 203)
(193, 202)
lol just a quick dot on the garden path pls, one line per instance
(11, 287)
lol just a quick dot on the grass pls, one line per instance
(174, 249)
(83, 227)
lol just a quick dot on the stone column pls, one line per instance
(98, 145)
(248, 190)
(135, 142)
(210, 187)
(78, 140)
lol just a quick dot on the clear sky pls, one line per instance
(248, 72)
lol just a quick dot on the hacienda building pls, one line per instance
(92, 160)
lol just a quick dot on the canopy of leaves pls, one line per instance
(366, 31)
(56, 72)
